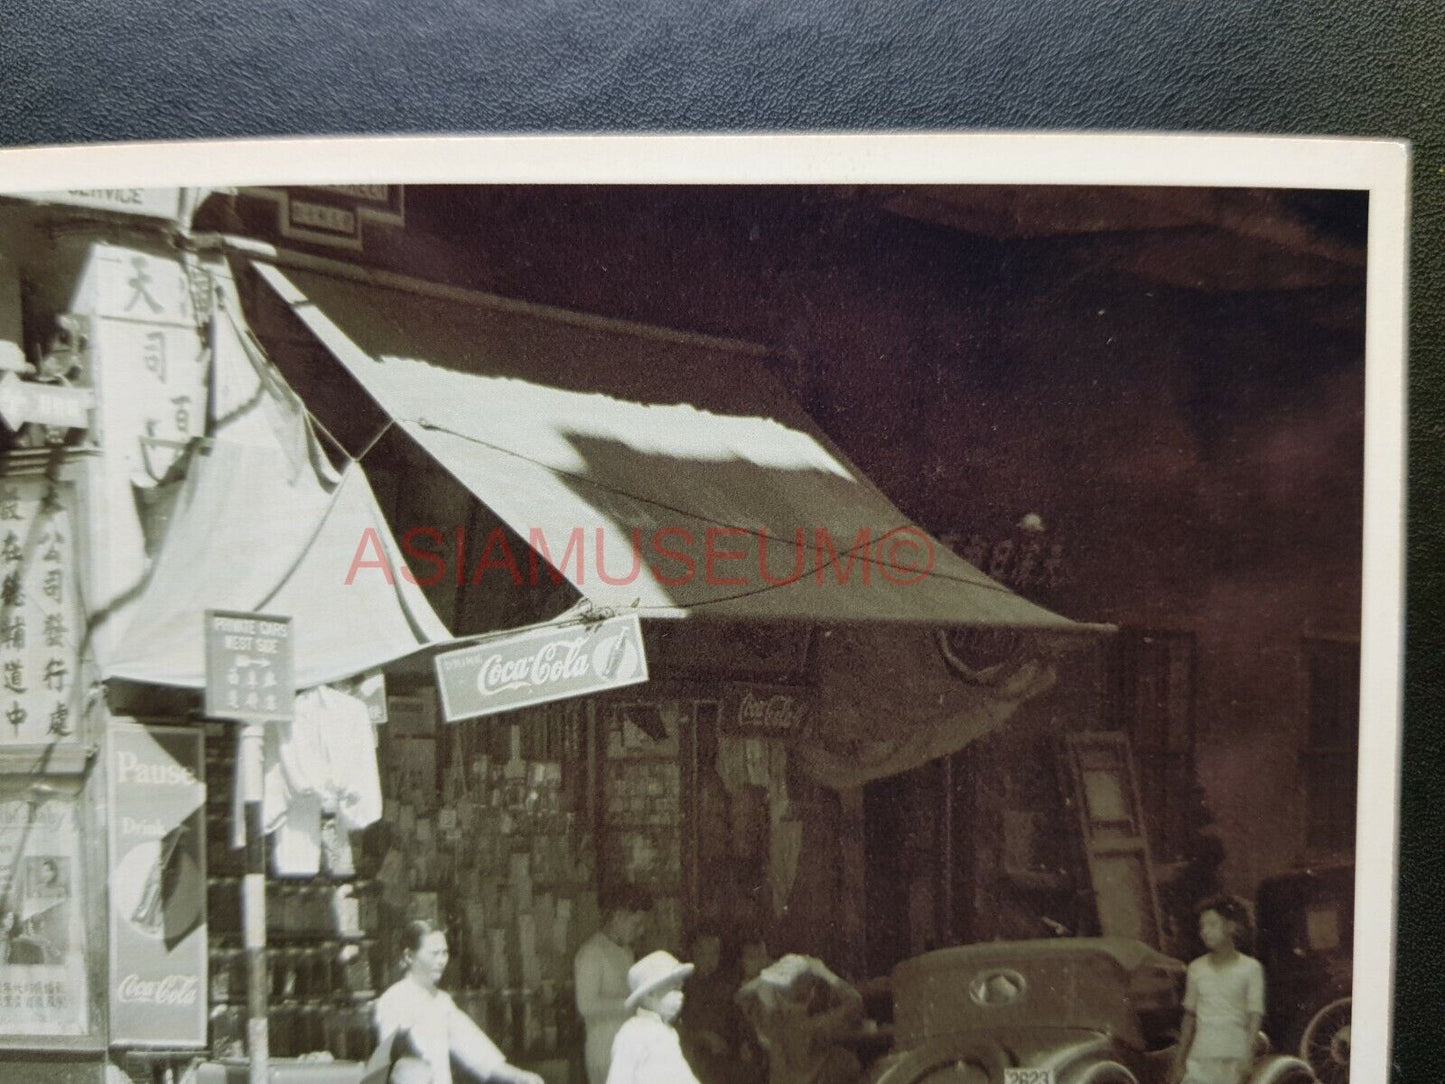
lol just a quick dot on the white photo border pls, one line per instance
(1380, 167)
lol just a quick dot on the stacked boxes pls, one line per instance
(498, 849)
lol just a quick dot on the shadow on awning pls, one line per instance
(581, 434)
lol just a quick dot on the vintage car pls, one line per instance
(1306, 925)
(1092, 1010)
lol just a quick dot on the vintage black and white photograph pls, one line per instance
(866, 624)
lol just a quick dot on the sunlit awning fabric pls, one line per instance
(559, 428)
(243, 539)
(263, 523)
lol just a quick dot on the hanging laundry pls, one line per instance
(323, 761)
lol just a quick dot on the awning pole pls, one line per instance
(253, 905)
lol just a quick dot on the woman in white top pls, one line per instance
(434, 1030)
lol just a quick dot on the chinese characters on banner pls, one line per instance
(43, 983)
(39, 616)
(150, 368)
(154, 384)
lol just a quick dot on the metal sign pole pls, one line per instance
(253, 904)
(251, 678)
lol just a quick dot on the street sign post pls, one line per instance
(251, 677)
(250, 670)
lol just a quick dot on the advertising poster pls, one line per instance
(541, 665)
(43, 962)
(158, 887)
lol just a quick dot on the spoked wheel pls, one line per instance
(1326, 1043)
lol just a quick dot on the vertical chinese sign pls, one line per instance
(43, 952)
(151, 370)
(39, 615)
(157, 887)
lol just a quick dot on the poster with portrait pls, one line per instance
(43, 952)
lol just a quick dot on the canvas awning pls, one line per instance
(560, 427)
(242, 538)
(263, 523)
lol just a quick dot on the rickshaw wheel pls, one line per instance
(1326, 1043)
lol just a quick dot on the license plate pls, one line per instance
(1015, 1074)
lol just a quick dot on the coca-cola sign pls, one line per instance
(157, 898)
(173, 989)
(539, 665)
(779, 713)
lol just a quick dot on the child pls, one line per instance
(647, 1049)
(1223, 1001)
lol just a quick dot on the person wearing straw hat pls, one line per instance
(802, 1013)
(647, 1049)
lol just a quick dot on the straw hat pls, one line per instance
(654, 973)
(784, 974)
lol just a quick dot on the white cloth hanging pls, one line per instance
(322, 762)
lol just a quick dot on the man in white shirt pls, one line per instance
(1223, 1001)
(599, 974)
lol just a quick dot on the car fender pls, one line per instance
(1281, 1069)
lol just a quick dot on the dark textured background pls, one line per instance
(146, 69)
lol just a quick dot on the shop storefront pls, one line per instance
(280, 435)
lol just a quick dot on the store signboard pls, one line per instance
(250, 667)
(1026, 559)
(534, 667)
(334, 214)
(144, 202)
(158, 952)
(767, 711)
(40, 619)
